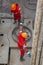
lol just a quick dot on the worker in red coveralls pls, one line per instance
(18, 15)
(16, 9)
(22, 44)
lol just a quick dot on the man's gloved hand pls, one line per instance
(24, 46)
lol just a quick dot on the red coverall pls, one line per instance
(17, 14)
(21, 42)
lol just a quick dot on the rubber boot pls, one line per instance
(21, 58)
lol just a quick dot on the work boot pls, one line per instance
(21, 58)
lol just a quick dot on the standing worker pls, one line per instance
(22, 44)
(16, 9)
(18, 15)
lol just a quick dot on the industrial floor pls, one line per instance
(15, 58)
(12, 56)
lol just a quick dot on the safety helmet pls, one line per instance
(13, 6)
(24, 35)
